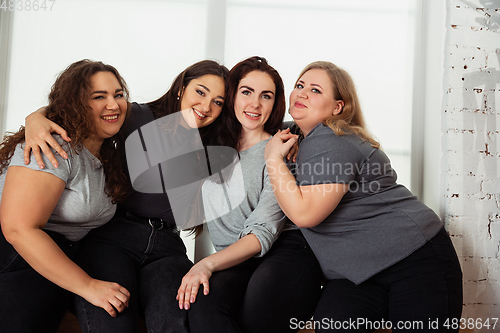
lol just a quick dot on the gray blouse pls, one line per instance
(256, 211)
(83, 205)
(377, 223)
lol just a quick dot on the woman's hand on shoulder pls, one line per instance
(280, 144)
(38, 137)
(198, 275)
(108, 295)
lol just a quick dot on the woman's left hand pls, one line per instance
(199, 274)
(279, 145)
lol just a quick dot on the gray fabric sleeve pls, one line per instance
(326, 159)
(267, 220)
(63, 171)
(294, 129)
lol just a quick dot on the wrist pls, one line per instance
(274, 163)
(83, 288)
(208, 263)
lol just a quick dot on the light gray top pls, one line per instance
(258, 211)
(83, 205)
(377, 223)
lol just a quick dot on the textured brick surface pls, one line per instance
(471, 129)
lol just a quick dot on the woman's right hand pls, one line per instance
(38, 137)
(107, 295)
(198, 275)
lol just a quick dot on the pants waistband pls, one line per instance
(154, 222)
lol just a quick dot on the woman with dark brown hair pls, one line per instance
(141, 247)
(257, 281)
(44, 214)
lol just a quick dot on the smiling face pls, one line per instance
(202, 100)
(254, 100)
(312, 101)
(109, 106)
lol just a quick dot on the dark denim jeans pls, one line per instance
(421, 291)
(149, 262)
(28, 301)
(261, 294)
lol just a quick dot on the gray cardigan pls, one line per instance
(256, 212)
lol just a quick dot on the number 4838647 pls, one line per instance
(27, 5)
(470, 323)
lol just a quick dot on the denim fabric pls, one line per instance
(150, 262)
(261, 294)
(422, 288)
(28, 301)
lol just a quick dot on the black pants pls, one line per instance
(421, 293)
(262, 294)
(147, 260)
(28, 301)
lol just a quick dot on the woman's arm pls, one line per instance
(38, 131)
(306, 206)
(261, 228)
(238, 252)
(28, 199)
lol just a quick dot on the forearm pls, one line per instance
(41, 112)
(45, 256)
(306, 206)
(288, 194)
(238, 252)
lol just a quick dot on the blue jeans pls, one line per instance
(150, 262)
(261, 294)
(421, 291)
(28, 301)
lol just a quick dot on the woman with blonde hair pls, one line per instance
(385, 256)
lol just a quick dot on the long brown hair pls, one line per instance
(350, 119)
(170, 102)
(69, 107)
(230, 128)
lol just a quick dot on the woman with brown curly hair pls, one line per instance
(141, 247)
(44, 213)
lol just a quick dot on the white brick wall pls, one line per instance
(472, 154)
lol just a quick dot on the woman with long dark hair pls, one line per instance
(263, 274)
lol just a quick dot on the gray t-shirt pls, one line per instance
(258, 213)
(377, 223)
(83, 205)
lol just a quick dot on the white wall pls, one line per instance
(433, 159)
(148, 47)
(372, 40)
(471, 146)
(148, 41)
(151, 41)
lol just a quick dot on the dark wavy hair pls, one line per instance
(170, 102)
(227, 130)
(230, 128)
(69, 107)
